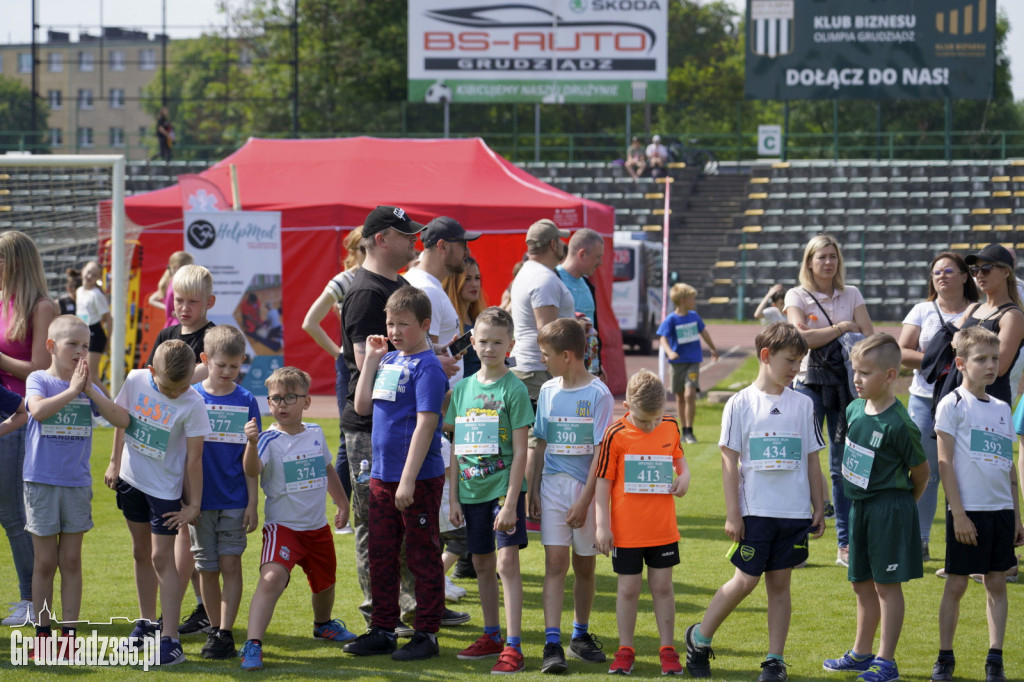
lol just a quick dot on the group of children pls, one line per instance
(191, 454)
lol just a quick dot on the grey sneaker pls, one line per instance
(587, 648)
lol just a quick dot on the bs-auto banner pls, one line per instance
(870, 49)
(538, 50)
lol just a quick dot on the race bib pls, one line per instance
(304, 471)
(857, 463)
(147, 437)
(686, 332)
(227, 423)
(476, 435)
(74, 419)
(570, 435)
(775, 451)
(991, 448)
(648, 474)
(385, 385)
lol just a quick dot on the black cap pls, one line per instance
(383, 217)
(448, 229)
(993, 253)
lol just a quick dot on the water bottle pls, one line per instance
(364, 473)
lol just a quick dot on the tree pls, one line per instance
(16, 117)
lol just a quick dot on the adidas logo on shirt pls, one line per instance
(775, 410)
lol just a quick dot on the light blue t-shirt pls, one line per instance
(57, 459)
(224, 485)
(573, 422)
(581, 295)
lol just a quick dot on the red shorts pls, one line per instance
(313, 550)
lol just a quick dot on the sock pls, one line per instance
(995, 653)
(946, 653)
(224, 633)
(515, 643)
(627, 648)
(552, 636)
(199, 602)
(579, 629)
(775, 657)
(699, 639)
(669, 647)
(494, 631)
(320, 625)
(859, 657)
(257, 641)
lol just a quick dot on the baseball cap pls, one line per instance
(383, 217)
(448, 229)
(656, 138)
(993, 253)
(543, 231)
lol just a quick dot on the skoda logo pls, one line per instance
(201, 234)
(578, 6)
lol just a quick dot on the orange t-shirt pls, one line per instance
(639, 519)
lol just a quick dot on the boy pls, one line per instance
(634, 484)
(573, 411)
(156, 468)
(228, 509)
(679, 339)
(58, 484)
(295, 471)
(885, 471)
(975, 445)
(403, 390)
(772, 481)
(491, 414)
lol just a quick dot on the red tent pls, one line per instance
(324, 188)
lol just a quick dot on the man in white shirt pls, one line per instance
(657, 156)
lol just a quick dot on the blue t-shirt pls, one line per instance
(9, 402)
(581, 296)
(223, 477)
(683, 335)
(566, 419)
(420, 387)
(56, 459)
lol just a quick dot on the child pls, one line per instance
(295, 471)
(92, 307)
(163, 297)
(156, 468)
(772, 481)
(885, 471)
(975, 444)
(632, 485)
(58, 483)
(769, 310)
(573, 411)
(229, 496)
(678, 337)
(491, 414)
(403, 390)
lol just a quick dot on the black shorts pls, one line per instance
(480, 534)
(631, 560)
(771, 544)
(994, 551)
(138, 507)
(97, 338)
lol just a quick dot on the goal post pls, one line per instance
(39, 196)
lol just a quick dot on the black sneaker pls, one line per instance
(773, 670)
(403, 630)
(422, 646)
(943, 669)
(464, 568)
(219, 645)
(196, 622)
(697, 657)
(450, 617)
(554, 659)
(994, 670)
(373, 642)
(587, 648)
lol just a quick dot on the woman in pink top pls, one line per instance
(26, 311)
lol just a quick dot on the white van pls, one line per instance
(636, 290)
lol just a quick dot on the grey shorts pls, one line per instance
(454, 541)
(685, 374)
(54, 509)
(217, 533)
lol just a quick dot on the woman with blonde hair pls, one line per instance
(465, 291)
(26, 311)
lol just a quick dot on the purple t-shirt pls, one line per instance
(55, 460)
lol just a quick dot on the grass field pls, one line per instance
(822, 625)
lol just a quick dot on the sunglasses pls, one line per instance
(986, 268)
(945, 271)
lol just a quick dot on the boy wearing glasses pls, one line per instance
(295, 471)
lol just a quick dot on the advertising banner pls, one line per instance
(548, 51)
(870, 49)
(242, 250)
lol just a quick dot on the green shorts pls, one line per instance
(885, 539)
(685, 374)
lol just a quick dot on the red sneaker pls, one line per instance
(509, 662)
(42, 640)
(670, 661)
(485, 647)
(623, 661)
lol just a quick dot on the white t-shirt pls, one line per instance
(444, 320)
(923, 315)
(839, 306)
(294, 477)
(91, 305)
(535, 286)
(657, 150)
(983, 450)
(153, 459)
(774, 434)
(771, 314)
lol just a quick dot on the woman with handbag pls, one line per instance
(950, 291)
(823, 308)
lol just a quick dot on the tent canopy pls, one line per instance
(324, 188)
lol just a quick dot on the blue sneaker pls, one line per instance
(143, 629)
(848, 663)
(880, 671)
(170, 651)
(252, 655)
(334, 630)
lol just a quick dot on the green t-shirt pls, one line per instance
(484, 417)
(880, 449)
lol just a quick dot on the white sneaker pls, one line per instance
(345, 530)
(453, 592)
(22, 613)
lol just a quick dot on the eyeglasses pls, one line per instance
(286, 399)
(986, 268)
(944, 271)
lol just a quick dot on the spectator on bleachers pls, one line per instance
(769, 310)
(950, 291)
(636, 162)
(824, 308)
(657, 156)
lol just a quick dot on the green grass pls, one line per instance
(822, 624)
(741, 377)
